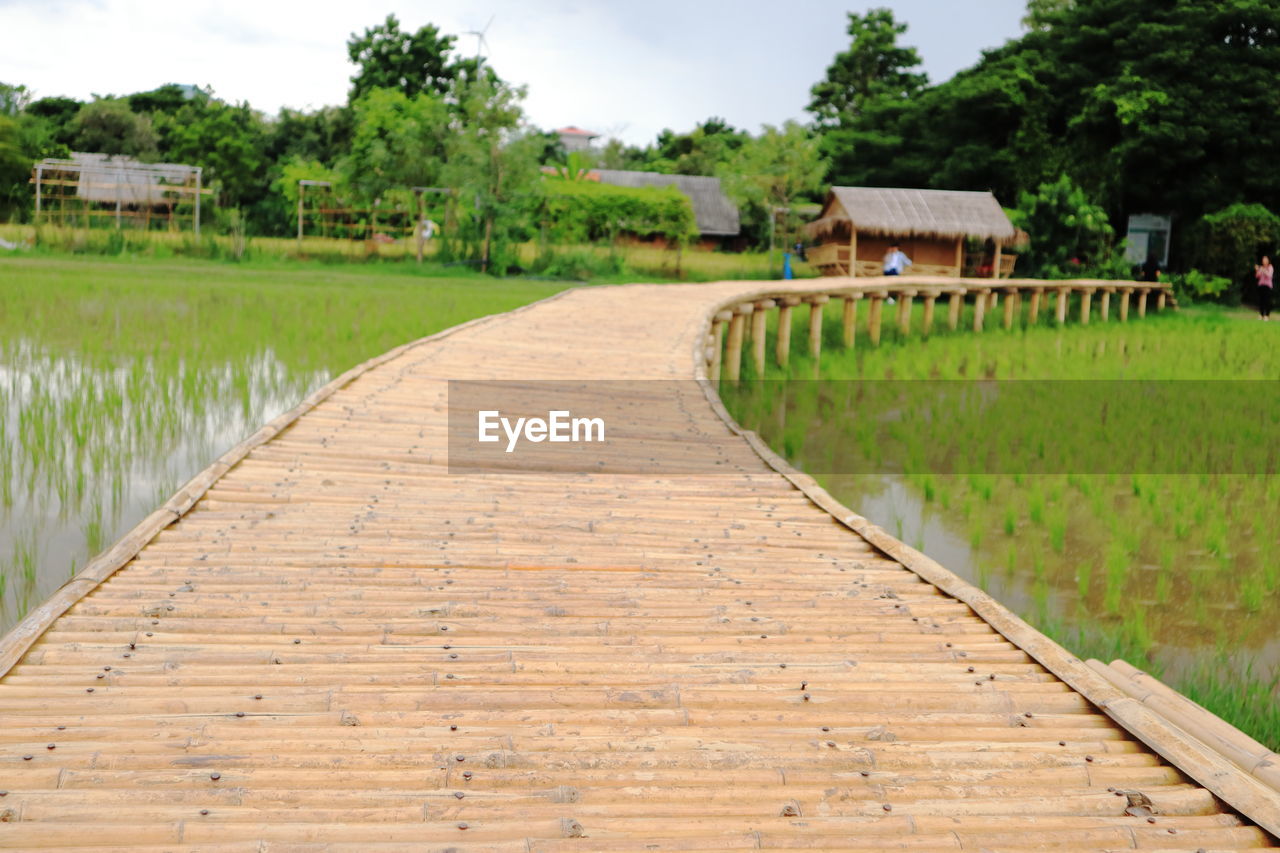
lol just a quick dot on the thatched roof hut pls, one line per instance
(858, 224)
(716, 215)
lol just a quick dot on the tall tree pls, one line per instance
(108, 126)
(398, 142)
(769, 172)
(874, 67)
(391, 58)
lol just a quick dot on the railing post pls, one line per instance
(815, 324)
(953, 309)
(1034, 309)
(1125, 293)
(1104, 308)
(782, 347)
(930, 297)
(733, 354)
(758, 334)
(717, 344)
(849, 319)
(1063, 293)
(1010, 305)
(1160, 297)
(904, 311)
(873, 317)
(980, 308)
(1086, 297)
(1142, 301)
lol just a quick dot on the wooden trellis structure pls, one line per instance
(96, 190)
(322, 213)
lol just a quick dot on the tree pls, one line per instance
(770, 171)
(492, 168)
(699, 152)
(390, 58)
(873, 68)
(1066, 230)
(108, 126)
(398, 141)
(58, 113)
(226, 140)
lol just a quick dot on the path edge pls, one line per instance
(1256, 801)
(18, 641)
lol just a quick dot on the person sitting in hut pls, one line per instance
(895, 262)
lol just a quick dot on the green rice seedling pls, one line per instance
(1010, 521)
(1083, 574)
(1057, 523)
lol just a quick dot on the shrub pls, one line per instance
(1227, 243)
(580, 211)
(1069, 234)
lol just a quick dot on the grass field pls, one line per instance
(120, 379)
(1114, 485)
(598, 263)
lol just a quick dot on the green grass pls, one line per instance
(121, 378)
(1114, 558)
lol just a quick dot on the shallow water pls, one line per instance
(90, 450)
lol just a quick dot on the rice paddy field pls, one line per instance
(1115, 485)
(121, 379)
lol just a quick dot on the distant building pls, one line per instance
(859, 224)
(715, 214)
(575, 138)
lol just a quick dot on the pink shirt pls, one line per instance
(1265, 274)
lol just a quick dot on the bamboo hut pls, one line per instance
(859, 224)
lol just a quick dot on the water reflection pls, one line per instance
(87, 450)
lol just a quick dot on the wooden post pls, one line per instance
(417, 226)
(199, 186)
(815, 324)
(979, 308)
(758, 334)
(782, 347)
(1124, 303)
(1034, 309)
(853, 251)
(873, 317)
(39, 180)
(959, 260)
(1011, 294)
(1160, 297)
(1104, 308)
(930, 297)
(904, 311)
(1063, 293)
(1142, 301)
(302, 188)
(733, 352)
(953, 310)
(995, 262)
(717, 348)
(1086, 296)
(849, 320)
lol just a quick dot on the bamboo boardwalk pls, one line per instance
(334, 642)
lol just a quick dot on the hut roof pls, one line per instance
(948, 214)
(716, 215)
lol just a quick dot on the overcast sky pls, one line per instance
(624, 68)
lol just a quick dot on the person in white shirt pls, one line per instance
(895, 262)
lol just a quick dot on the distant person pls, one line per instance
(895, 262)
(1266, 287)
(799, 251)
(1151, 269)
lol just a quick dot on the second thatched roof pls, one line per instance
(944, 214)
(716, 215)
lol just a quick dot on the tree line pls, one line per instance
(1100, 109)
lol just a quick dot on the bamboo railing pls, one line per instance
(746, 321)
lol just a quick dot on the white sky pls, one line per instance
(624, 68)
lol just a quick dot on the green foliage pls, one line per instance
(772, 171)
(108, 126)
(1068, 233)
(699, 152)
(1193, 285)
(1233, 239)
(577, 211)
(874, 68)
(226, 140)
(577, 264)
(390, 58)
(399, 141)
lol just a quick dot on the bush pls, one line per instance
(1229, 242)
(1194, 285)
(582, 211)
(1069, 234)
(578, 264)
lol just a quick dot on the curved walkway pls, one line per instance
(334, 643)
